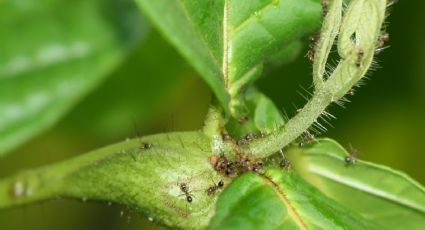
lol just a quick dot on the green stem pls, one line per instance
(275, 141)
(358, 36)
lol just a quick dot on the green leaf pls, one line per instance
(52, 53)
(144, 174)
(227, 41)
(266, 117)
(280, 200)
(378, 193)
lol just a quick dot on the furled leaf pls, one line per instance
(279, 199)
(378, 193)
(52, 53)
(227, 41)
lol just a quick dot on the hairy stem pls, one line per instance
(358, 37)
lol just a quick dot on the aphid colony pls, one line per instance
(242, 163)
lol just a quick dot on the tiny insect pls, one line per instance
(350, 92)
(243, 119)
(226, 137)
(383, 38)
(360, 55)
(324, 7)
(186, 192)
(211, 190)
(284, 163)
(312, 51)
(352, 157)
(145, 146)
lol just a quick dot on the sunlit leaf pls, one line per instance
(227, 41)
(280, 200)
(379, 193)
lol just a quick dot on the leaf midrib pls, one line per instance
(291, 209)
(363, 187)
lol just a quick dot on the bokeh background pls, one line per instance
(385, 120)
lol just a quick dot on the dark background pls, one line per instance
(385, 120)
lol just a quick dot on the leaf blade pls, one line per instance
(51, 58)
(226, 43)
(286, 202)
(387, 196)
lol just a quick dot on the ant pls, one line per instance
(146, 145)
(352, 157)
(211, 190)
(186, 192)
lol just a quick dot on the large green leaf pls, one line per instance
(227, 41)
(52, 53)
(280, 200)
(379, 193)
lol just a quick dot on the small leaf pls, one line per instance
(380, 194)
(227, 41)
(266, 117)
(52, 54)
(280, 200)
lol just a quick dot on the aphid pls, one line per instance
(324, 7)
(383, 38)
(301, 144)
(186, 192)
(226, 136)
(243, 119)
(312, 51)
(241, 141)
(211, 190)
(284, 163)
(223, 165)
(352, 158)
(246, 163)
(247, 138)
(350, 92)
(360, 55)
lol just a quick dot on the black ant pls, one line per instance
(352, 157)
(211, 190)
(186, 192)
(146, 145)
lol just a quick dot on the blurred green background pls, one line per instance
(155, 90)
